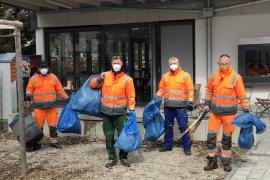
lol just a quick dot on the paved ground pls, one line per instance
(256, 163)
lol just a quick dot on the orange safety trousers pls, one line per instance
(214, 124)
(51, 114)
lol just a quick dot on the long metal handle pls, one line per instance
(193, 124)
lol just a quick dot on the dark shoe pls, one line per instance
(36, 147)
(188, 153)
(211, 165)
(163, 149)
(227, 167)
(111, 163)
(124, 162)
(56, 145)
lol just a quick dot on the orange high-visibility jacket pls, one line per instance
(45, 89)
(176, 88)
(223, 91)
(118, 93)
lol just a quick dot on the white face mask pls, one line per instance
(116, 67)
(173, 67)
(44, 71)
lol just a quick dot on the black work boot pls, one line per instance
(187, 152)
(163, 149)
(124, 162)
(227, 166)
(212, 164)
(56, 145)
(111, 163)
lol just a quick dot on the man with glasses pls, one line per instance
(118, 94)
(223, 90)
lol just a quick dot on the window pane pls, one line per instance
(86, 55)
(61, 58)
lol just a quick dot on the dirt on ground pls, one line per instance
(84, 158)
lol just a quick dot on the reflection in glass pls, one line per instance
(61, 58)
(86, 55)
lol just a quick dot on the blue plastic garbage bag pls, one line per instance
(150, 110)
(69, 121)
(245, 122)
(129, 138)
(247, 119)
(87, 100)
(152, 120)
(246, 138)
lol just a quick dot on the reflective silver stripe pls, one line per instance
(44, 93)
(227, 134)
(243, 99)
(224, 97)
(114, 98)
(189, 92)
(34, 80)
(114, 106)
(190, 99)
(225, 105)
(131, 100)
(44, 101)
(212, 131)
(184, 76)
(175, 99)
(176, 91)
(234, 78)
(131, 108)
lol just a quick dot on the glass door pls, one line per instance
(141, 66)
(116, 44)
(87, 45)
(61, 58)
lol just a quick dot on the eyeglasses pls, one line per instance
(223, 64)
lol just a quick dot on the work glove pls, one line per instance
(207, 105)
(245, 110)
(189, 107)
(28, 97)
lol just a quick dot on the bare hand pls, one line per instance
(102, 75)
(206, 108)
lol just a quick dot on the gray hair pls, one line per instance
(174, 58)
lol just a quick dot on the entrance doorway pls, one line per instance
(141, 63)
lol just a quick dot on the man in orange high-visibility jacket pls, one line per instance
(44, 88)
(118, 94)
(176, 87)
(223, 90)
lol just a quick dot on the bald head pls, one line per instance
(174, 60)
(224, 62)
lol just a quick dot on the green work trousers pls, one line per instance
(110, 123)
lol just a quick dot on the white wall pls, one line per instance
(6, 91)
(228, 30)
(176, 40)
(40, 45)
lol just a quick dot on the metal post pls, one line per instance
(20, 101)
(209, 42)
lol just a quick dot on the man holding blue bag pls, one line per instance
(118, 94)
(176, 87)
(223, 91)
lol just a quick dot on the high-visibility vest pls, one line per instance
(224, 90)
(118, 93)
(45, 89)
(176, 88)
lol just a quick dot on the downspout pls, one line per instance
(208, 14)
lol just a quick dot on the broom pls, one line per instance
(194, 125)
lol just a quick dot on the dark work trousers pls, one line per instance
(110, 123)
(180, 113)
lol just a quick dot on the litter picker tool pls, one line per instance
(194, 125)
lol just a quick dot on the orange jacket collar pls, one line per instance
(118, 75)
(223, 74)
(172, 73)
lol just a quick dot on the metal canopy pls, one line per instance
(94, 5)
